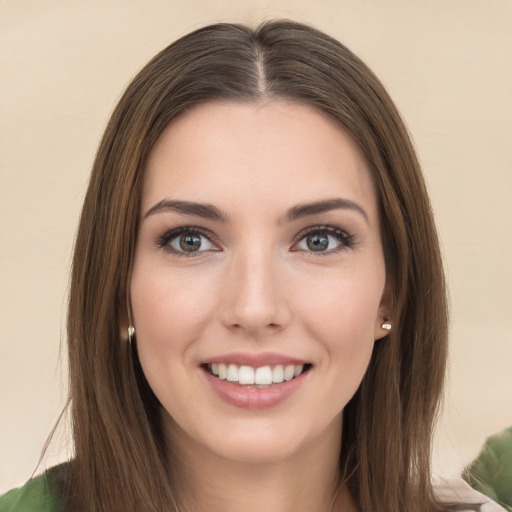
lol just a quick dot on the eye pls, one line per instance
(186, 242)
(324, 239)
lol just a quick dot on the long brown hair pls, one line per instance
(121, 459)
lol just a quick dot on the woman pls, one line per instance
(257, 315)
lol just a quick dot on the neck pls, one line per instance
(305, 481)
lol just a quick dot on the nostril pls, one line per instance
(271, 326)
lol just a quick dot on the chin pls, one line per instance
(258, 440)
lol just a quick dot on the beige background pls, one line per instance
(448, 65)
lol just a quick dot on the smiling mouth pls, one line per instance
(260, 377)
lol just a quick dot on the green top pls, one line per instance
(40, 494)
(491, 472)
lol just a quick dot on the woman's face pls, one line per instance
(258, 281)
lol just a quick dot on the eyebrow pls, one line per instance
(208, 211)
(326, 205)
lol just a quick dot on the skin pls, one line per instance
(255, 286)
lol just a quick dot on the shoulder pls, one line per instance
(458, 491)
(39, 494)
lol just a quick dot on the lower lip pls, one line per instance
(254, 398)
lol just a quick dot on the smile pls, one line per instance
(260, 377)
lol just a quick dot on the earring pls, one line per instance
(131, 332)
(386, 325)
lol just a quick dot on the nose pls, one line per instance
(255, 301)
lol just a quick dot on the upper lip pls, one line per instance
(255, 360)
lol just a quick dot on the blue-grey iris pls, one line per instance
(190, 243)
(317, 242)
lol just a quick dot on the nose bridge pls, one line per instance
(255, 298)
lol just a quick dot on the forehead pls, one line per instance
(277, 152)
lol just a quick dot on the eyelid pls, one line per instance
(346, 240)
(162, 241)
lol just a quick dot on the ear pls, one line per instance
(384, 319)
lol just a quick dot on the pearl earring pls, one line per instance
(387, 326)
(131, 332)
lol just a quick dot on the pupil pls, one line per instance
(190, 243)
(317, 242)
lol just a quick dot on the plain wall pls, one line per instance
(63, 65)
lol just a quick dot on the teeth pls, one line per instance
(232, 374)
(278, 374)
(246, 375)
(289, 372)
(262, 376)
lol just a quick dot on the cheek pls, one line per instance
(342, 317)
(169, 313)
(168, 305)
(345, 305)
(345, 328)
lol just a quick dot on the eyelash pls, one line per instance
(164, 240)
(346, 240)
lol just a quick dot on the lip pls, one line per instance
(255, 360)
(253, 397)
